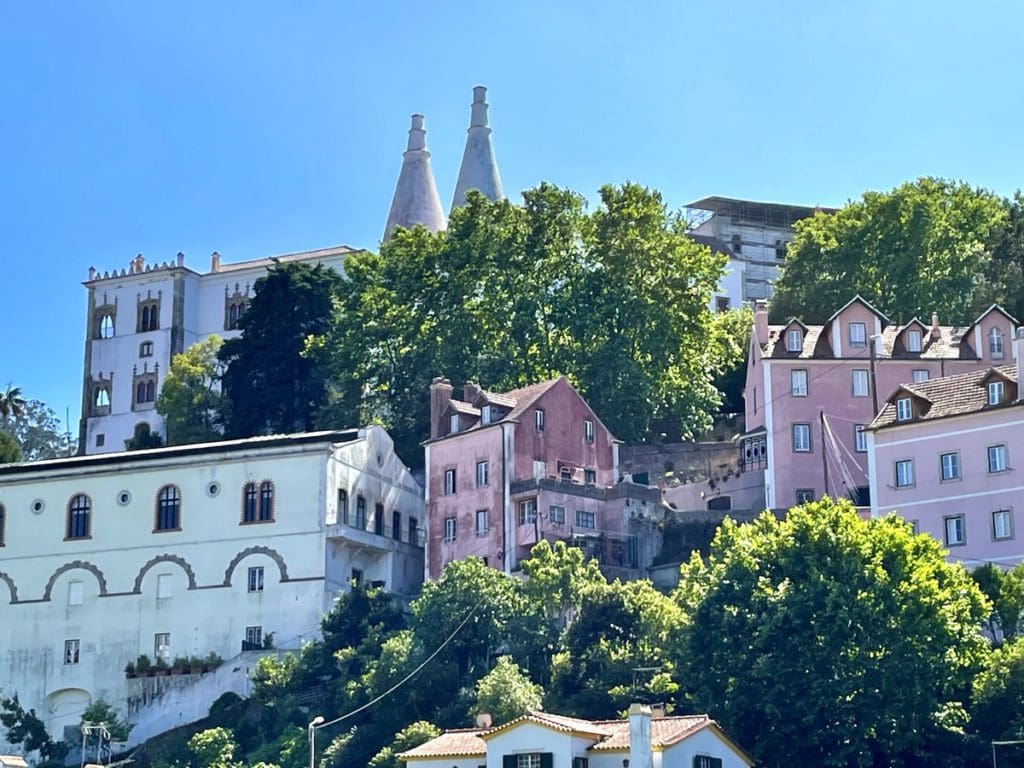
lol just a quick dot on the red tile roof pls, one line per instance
(456, 743)
(665, 731)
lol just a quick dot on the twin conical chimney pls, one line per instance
(479, 170)
(415, 200)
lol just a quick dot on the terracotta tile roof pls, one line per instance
(817, 344)
(555, 722)
(460, 742)
(665, 731)
(950, 396)
(517, 400)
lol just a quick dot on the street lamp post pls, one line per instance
(313, 725)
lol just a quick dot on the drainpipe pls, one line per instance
(875, 339)
(504, 502)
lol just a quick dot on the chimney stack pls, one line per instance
(640, 753)
(214, 262)
(415, 201)
(470, 392)
(935, 326)
(479, 169)
(440, 396)
(181, 259)
(761, 321)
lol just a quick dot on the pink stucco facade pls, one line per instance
(965, 484)
(804, 406)
(538, 482)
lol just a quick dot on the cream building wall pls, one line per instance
(114, 590)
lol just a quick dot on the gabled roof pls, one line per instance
(461, 742)
(460, 407)
(949, 396)
(912, 391)
(554, 722)
(665, 731)
(858, 299)
(795, 321)
(983, 315)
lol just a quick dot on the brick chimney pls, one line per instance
(640, 754)
(935, 326)
(761, 321)
(440, 396)
(470, 392)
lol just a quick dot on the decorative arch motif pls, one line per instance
(179, 561)
(10, 585)
(273, 554)
(76, 565)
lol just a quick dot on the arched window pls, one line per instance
(79, 512)
(105, 326)
(140, 392)
(995, 344)
(266, 501)
(102, 397)
(3, 525)
(168, 509)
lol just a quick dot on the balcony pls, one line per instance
(384, 542)
(599, 492)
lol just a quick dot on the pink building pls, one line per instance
(809, 393)
(504, 470)
(944, 454)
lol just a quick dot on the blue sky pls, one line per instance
(257, 128)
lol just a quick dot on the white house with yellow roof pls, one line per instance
(543, 740)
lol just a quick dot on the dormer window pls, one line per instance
(904, 409)
(485, 415)
(914, 341)
(995, 392)
(995, 344)
(453, 424)
(794, 340)
(858, 335)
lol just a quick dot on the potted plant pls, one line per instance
(180, 665)
(129, 669)
(211, 662)
(143, 665)
(162, 670)
(268, 641)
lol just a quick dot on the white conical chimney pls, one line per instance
(415, 201)
(479, 169)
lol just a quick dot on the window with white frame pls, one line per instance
(449, 482)
(538, 420)
(904, 409)
(485, 415)
(860, 438)
(453, 423)
(801, 438)
(482, 523)
(949, 465)
(588, 431)
(162, 645)
(527, 511)
(529, 760)
(256, 578)
(482, 468)
(920, 375)
(798, 383)
(449, 528)
(995, 344)
(705, 761)
(540, 469)
(71, 649)
(914, 340)
(585, 519)
(995, 392)
(254, 636)
(955, 530)
(794, 340)
(858, 334)
(997, 458)
(859, 382)
(556, 514)
(904, 473)
(1002, 524)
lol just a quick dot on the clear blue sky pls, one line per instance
(257, 128)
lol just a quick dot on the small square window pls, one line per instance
(904, 473)
(482, 522)
(254, 637)
(162, 645)
(589, 476)
(804, 495)
(101, 440)
(449, 529)
(995, 392)
(256, 579)
(1002, 524)
(914, 341)
(801, 438)
(794, 340)
(798, 383)
(920, 375)
(556, 514)
(538, 420)
(860, 438)
(585, 519)
(955, 531)
(996, 458)
(71, 649)
(949, 466)
(858, 335)
(904, 409)
(860, 383)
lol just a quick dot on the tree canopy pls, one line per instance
(828, 639)
(191, 401)
(927, 245)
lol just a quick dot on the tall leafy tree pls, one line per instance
(1002, 277)
(998, 696)
(506, 692)
(10, 451)
(38, 431)
(919, 248)
(24, 727)
(12, 404)
(191, 401)
(830, 640)
(272, 384)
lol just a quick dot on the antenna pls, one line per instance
(67, 428)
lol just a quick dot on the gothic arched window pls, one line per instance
(168, 509)
(79, 513)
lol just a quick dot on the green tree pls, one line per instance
(408, 738)
(827, 639)
(998, 697)
(213, 748)
(1003, 275)
(12, 404)
(506, 692)
(1005, 591)
(272, 384)
(143, 438)
(38, 431)
(921, 247)
(617, 300)
(10, 451)
(100, 712)
(191, 400)
(26, 728)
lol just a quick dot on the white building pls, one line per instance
(188, 550)
(140, 317)
(754, 236)
(544, 740)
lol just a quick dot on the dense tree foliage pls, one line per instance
(828, 639)
(998, 711)
(928, 245)
(38, 431)
(616, 299)
(506, 692)
(1005, 591)
(26, 728)
(10, 451)
(12, 404)
(272, 385)
(194, 408)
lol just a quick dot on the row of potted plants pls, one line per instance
(182, 665)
